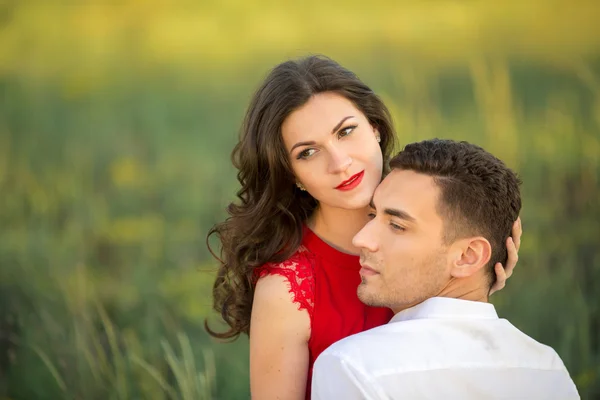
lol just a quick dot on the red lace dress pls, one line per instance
(323, 282)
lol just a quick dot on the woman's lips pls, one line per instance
(351, 183)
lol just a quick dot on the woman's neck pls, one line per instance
(337, 226)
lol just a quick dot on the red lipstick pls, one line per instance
(352, 182)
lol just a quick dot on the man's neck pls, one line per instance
(466, 289)
(463, 289)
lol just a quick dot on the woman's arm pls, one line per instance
(279, 334)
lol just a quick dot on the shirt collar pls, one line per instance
(447, 308)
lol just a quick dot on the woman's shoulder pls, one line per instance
(297, 272)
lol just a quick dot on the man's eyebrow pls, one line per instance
(399, 214)
(394, 212)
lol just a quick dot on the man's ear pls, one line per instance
(468, 256)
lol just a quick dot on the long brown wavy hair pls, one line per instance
(266, 224)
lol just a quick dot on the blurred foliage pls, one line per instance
(116, 124)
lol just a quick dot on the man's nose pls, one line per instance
(365, 238)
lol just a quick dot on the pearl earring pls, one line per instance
(301, 186)
(378, 139)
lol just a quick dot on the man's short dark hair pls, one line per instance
(479, 194)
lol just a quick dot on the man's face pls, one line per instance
(402, 253)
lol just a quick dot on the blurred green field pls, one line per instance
(116, 125)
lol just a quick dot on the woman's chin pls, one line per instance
(358, 202)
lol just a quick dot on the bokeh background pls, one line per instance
(117, 119)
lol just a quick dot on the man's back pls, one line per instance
(450, 348)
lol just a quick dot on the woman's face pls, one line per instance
(334, 152)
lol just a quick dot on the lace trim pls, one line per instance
(298, 271)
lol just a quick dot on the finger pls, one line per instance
(501, 278)
(513, 257)
(501, 275)
(517, 231)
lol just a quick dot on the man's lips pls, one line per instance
(366, 270)
(351, 181)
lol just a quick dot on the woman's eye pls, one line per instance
(306, 153)
(371, 215)
(346, 131)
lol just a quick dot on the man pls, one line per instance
(439, 223)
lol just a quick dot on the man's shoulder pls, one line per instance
(422, 343)
(522, 344)
(372, 344)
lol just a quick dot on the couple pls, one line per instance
(314, 145)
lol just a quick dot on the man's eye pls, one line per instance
(396, 227)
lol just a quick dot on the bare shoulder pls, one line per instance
(279, 332)
(289, 285)
(276, 308)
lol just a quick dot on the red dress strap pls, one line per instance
(298, 270)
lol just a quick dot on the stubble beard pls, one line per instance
(372, 299)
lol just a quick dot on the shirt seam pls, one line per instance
(353, 362)
(473, 366)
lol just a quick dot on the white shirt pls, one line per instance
(442, 349)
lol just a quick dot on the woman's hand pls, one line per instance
(512, 245)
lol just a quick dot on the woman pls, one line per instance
(310, 155)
